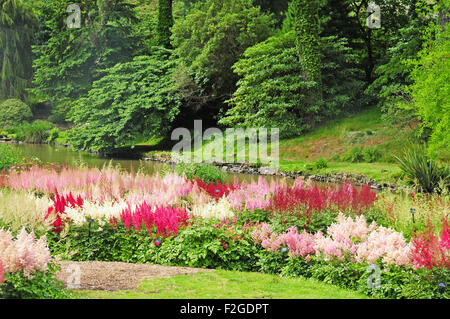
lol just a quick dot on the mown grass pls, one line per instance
(220, 284)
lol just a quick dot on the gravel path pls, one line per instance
(113, 276)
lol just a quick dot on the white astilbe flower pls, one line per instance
(101, 213)
(220, 209)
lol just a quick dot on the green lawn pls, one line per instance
(221, 284)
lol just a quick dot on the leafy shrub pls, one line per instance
(42, 285)
(371, 154)
(36, 132)
(14, 112)
(211, 246)
(354, 155)
(422, 171)
(320, 163)
(53, 135)
(205, 172)
(272, 263)
(8, 156)
(360, 154)
(395, 282)
(105, 243)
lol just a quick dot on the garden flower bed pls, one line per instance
(338, 233)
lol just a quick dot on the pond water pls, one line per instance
(60, 154)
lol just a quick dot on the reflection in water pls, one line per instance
(59, 154)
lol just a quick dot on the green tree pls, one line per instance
(70, 60)
(165, 22)
(430, 89)
(306, 26)
(393, 72)
(208, 41)
(272, 91)
(132, 98)
(14, 112)
(17, 24)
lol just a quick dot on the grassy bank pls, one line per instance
(361, 143)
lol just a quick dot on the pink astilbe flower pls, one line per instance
(387, 245)
(252, 196)
(261, 232)
(299, 244)
(347, 227)
(23, 254)
(347, 239)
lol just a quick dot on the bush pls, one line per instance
(422, 171)
(371, 154)
(40, 286)
(360, 154)
(320, 163)
(205, 172)
(8, 156)
(206, 246)
(36, 132)
(104, 243)
(395, 282)
(14, 112)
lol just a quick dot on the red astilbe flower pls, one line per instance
(217, 190)
(60, 202)
(318, 198)
(2, 273)
(166, 221)
(429, 250)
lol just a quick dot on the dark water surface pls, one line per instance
(60, 154)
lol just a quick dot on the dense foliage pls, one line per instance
(120, 105)
(272, 91)
(289, 64)
(430, 90)
(14, 112)
(208, 41)
(69, 60)
(17, 25)
(8, 157)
